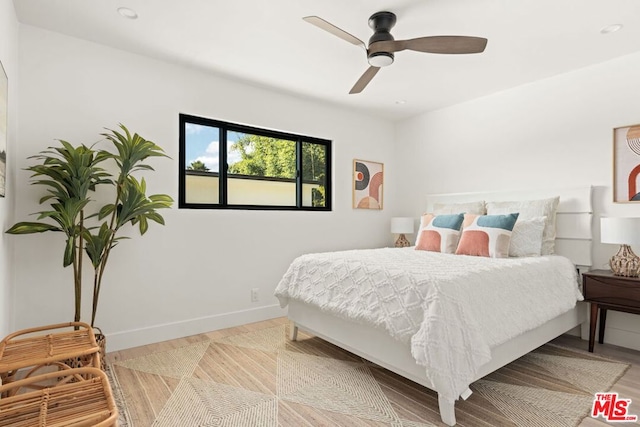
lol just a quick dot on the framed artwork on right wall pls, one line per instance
(626, 164)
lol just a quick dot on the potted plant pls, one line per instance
(71, 175)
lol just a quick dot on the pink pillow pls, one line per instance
(486, 235)
(439, 233)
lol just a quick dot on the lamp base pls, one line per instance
(402, 242)
(625, 262)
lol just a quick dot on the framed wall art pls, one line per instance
(626, 164)
(368, 180)
(4, 107)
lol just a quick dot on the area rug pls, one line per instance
(123, 412)
(262, 379)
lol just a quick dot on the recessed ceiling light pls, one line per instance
(127, 13)
(611, 28)
(401, 101)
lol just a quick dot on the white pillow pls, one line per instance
(529, 209)
(476, 208)
(526, 238)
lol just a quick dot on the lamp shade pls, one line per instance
(401, 225)
(622, 231)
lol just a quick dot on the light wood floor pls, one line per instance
(147, 405)
(627, 387)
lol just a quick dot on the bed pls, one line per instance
(453, 350)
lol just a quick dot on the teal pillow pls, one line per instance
(439, 233)
(487, 235)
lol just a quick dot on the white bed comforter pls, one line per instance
(452, 309)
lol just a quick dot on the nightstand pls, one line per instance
(608, 292)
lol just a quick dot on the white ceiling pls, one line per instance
(268, 44)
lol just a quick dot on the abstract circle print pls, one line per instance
(633, 141)
(367, 184)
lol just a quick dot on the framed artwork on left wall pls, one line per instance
(367, 185)
(4, 107)
(626, 164)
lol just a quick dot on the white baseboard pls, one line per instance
(621, 338)
(168, 331)
(617, 330)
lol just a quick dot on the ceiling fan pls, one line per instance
(382, 45)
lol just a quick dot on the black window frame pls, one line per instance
(224, 128)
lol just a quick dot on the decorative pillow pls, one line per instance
(477, 208)
(526, 238)
(439, 233)
(531, 209)
(487, 235)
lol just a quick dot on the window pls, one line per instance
(263, 169)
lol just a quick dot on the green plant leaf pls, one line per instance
(69, 252)
(132, 151)
(96, 244)
(106, 210)
(156, 217)
(161, 198)
(31, 227)
(144, 225)
(45, 198)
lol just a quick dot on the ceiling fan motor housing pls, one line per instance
(381, 23)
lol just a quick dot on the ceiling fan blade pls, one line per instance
(321, 23)
(433, 44)
(364, 80)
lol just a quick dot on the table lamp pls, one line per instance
(625, 232)
(402, 226)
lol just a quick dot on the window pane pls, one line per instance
(260, 167)
(262, 170)
(202, 163)
(314, 173)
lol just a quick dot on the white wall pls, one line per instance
(9, 59)
(194, 274)
(555, 132)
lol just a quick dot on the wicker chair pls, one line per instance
(64, 345)
(77, 397)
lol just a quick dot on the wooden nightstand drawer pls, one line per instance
(605, 291)
(612, 290)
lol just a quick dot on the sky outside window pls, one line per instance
(202, 144)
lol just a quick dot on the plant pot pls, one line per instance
(84, 361)
(101, 339)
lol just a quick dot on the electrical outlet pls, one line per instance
(254, 295)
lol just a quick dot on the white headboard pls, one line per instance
(573, 219)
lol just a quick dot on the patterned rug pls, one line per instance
(262, 379)
(123, 412)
